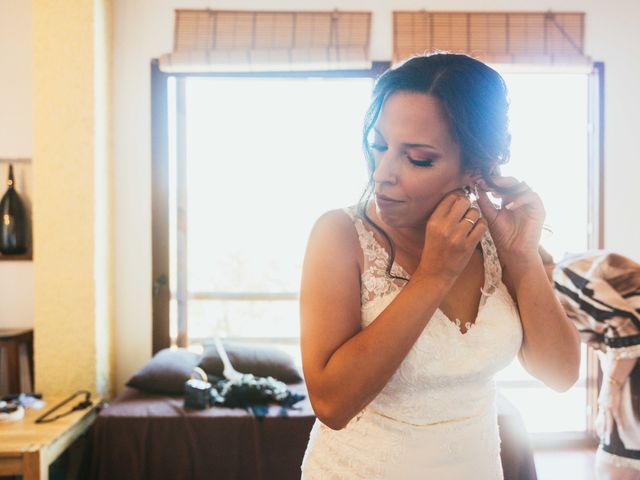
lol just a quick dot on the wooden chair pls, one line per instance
(10, 340)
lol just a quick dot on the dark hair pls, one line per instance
(474, 99)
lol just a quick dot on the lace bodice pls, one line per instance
(375, 281)
(435, 418)
(444, 363)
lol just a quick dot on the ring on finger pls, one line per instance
(474, 210)
(467, 219)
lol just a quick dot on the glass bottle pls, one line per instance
(13, 221)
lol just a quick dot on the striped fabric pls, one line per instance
(600, 292)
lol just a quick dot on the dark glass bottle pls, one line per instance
(13, 221)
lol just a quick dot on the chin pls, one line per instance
(394, 219)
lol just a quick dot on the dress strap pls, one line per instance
(375, 281)
(371, 249)
(492, 268)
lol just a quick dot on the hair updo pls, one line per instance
(473, 97)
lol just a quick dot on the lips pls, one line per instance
(384, 201)
(385, 198)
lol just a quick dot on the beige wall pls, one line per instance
(71, 140)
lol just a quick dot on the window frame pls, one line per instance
(595, 240)
(161, 295)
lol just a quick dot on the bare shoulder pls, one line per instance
(330, 290)
(334, 234)
(336, 222)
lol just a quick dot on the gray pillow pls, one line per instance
(261, 361)
(166, 372)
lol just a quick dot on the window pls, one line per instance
(260, 157)
(552, 131)
(257, 155)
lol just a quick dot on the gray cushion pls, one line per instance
(166, 372)
(259, 360)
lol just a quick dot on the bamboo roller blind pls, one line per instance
(219, 40)
(495, 37)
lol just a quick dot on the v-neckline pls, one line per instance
(457, 323)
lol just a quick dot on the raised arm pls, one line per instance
(551, 346)
(346, 366)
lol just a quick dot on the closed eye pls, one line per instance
(421, 163)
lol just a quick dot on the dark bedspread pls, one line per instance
(144, 436)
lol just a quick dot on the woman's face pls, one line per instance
(416, 160)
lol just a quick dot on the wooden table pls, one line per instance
(27, 448)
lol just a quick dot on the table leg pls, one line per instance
(34, 465)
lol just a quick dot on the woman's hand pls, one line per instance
(608, 409)
(616, 373)
(451, 234)
(516, 227)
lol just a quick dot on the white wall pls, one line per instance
(16, 277)
(143, 30)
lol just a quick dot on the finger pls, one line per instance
(457, 191)
(498, 182)
(505, 182)
(447, 202)
(508, 188)
(473, 213)
(469, 219)
(477, 232)
(459, 208)
(488, 209)
(508, 197)
(528, 198)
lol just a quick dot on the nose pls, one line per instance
(386, 169)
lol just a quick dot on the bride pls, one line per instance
(414, 298)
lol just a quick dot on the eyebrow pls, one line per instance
(410, 145)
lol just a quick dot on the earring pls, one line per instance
(470, 193)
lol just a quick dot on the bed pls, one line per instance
(149, 436)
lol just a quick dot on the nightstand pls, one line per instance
(28, 448)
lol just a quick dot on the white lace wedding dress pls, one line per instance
(435, 419)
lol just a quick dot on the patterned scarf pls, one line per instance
(600, 293)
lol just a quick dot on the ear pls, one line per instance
(471, 177)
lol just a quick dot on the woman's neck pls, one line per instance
(407, 239)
